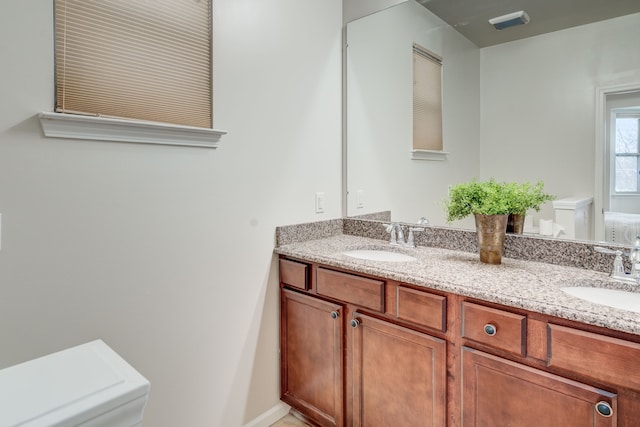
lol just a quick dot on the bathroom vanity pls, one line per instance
(448, 341)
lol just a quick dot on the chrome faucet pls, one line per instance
(397, 235)
(618, 272)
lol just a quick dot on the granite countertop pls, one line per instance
(532, 286)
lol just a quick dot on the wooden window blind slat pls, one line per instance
(135, 59)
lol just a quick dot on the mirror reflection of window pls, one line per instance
(427, 99)
(627, 154)
(621, 206)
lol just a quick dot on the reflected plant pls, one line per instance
(525, 196)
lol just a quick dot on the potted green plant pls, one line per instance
(521, 198)
(490, 203)
(473, 197)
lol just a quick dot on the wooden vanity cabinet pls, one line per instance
(359, 351)
(399, 375)
(347, 361)
(312, 371)
(500, 392)
(559, 375)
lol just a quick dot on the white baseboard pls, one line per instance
(270, 416)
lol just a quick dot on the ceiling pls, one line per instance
(470, 17)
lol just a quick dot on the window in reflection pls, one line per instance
(427, 100)
(627, 155)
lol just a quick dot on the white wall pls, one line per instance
(379, 113)
(538, 102)
(165, 252)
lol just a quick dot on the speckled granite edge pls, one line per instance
(567, 253)
(288, 234)
(515, 283)
(435, 237)
(559, 252)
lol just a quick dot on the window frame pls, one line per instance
(616, 114)
(427, 57)
(119, 129)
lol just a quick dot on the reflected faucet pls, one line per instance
(634, 257)
(397, 235)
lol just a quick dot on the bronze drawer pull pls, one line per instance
(604, 409)
(490, 329)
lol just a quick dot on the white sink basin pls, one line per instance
(611, 297)
(379, 255)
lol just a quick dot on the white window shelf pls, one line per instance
(428, 155)
(59, 125)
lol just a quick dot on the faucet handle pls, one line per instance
(634, 255)
(391, 229)
(610, 251)
(618, 264)
(606, 250)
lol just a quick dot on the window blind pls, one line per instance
(135, 59)
(427, 100)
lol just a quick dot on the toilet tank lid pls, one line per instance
(71, 385)
(572, 203)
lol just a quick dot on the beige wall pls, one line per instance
(380, 113)
(538, 99)
(164, 252)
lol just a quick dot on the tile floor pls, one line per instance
(289, 421)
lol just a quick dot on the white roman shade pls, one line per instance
(427, 100)
(135, 59)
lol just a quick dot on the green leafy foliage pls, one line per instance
(527, 196)
(493, 198)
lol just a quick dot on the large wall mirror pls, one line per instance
(534, 109)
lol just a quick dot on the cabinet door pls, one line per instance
(498, 392)
(399, 375)
(311, 357)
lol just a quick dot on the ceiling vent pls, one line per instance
(509, 20)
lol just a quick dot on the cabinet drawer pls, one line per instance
(500, 392)
(422, 308)
(349, 288)
(294, 274)
(496, 328)
(603, 358)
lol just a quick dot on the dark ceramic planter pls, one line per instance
(515, 223)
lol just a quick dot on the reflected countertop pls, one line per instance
(528, 285)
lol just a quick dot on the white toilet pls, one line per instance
(89, 385)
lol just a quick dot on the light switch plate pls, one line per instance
(319, 202)
(360, 199)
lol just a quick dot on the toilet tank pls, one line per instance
(89, 385)
(574, 215)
